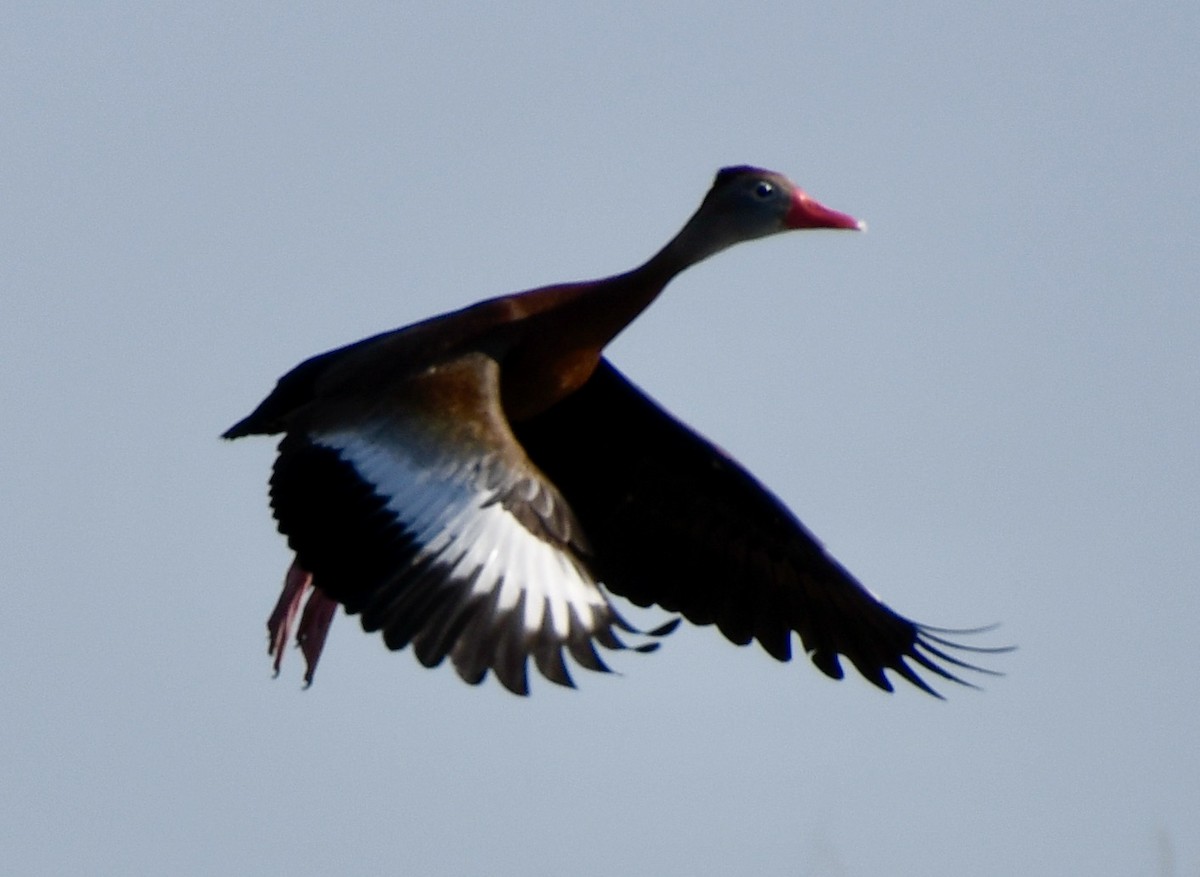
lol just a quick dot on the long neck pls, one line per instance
(699, 238)
(564, 329)
(607, 306)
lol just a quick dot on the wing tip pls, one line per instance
(930, 649)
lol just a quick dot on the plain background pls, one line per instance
(986, 407)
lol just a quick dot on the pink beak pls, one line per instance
(807, 213)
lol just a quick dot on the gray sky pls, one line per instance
(986, 407)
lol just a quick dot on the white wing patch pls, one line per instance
(465, 531)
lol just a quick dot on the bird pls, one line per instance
(481, 484)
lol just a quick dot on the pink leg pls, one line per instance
(314, 627)
(314, 623)
(279, 626)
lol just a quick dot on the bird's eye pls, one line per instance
(763, 190)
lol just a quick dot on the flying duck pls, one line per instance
(479, 485)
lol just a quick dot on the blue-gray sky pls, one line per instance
(986, 407)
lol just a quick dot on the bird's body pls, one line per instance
(474, 485)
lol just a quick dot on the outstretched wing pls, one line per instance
(422, 514)
(676, 522)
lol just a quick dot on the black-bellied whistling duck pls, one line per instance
(476, 485)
